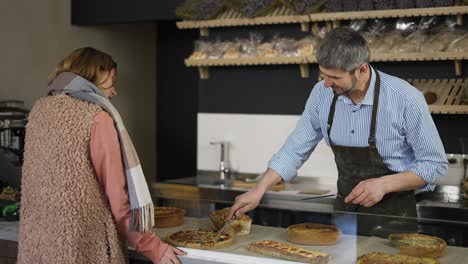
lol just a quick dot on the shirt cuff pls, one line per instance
(429, 172)
(285, 171)
(151, 247)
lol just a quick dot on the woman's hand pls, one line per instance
(170, 256)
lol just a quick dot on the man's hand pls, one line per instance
(367, 193)
(246, 202)
(170, 256)
(249, 200)
(371, 191)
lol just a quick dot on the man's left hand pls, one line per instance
(367, 193)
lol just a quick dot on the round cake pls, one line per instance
(313, 234)
(168, 216)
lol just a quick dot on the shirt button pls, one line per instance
(352, 131)
(354, 111)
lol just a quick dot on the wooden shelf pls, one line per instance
(450, 94)
(283, 15)
(420, 56)
(413, 12)
(303, 62)
(245, 61)
(231, 18)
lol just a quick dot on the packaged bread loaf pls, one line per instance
(231, 50)
(266, 50)
(459, 45)
(307, 46)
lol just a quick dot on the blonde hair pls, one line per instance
(87, 62)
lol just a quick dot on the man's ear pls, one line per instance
(361, 71)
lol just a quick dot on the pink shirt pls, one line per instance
(107, 161)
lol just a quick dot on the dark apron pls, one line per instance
(356, 164)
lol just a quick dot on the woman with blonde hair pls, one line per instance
(83, 190)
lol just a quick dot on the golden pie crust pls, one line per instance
(382, 258)
(199, 239)
(239, 226)
(168, 216)
(418, 245)
(313, 234)
(288, 252)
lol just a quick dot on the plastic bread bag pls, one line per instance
(404, 4)
(307, 46)
(231, 49)
(236, 5)
(423, 3)
(406, 26)
(365, 5)
(217, 50)
(302, 7)
(384, 4)
(201, 50)
(248, 47)
(358, 25)
(428, 23)
(412, 43)
(334, 6)
(287, 47)
(460, 44)
(255, 8)
(200, 9)
(379, 26)
(373, 40)
(441, 37)
(388, 41)
(319, 30)
(350, 5)
(267, 49)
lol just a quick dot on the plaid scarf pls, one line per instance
(141, 204)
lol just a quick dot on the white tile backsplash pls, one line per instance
(253, 140)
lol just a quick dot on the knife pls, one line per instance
(229, 221)
(322, 196)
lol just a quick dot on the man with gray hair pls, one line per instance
(379, 128)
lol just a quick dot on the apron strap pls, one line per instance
(331, 115)
(371, 139)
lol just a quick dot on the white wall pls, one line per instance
(253, 140)
(35, 35)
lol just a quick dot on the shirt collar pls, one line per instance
(369, 98)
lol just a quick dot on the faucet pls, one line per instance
(223, 167)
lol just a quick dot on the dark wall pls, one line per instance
(98, 12)
(176, 103)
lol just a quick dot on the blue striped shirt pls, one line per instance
(406, 136)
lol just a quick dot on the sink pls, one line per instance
(213, 177)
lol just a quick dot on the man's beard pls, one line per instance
(353, 86)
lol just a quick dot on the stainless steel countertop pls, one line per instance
(446, 203)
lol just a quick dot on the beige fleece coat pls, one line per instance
(65, 216)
